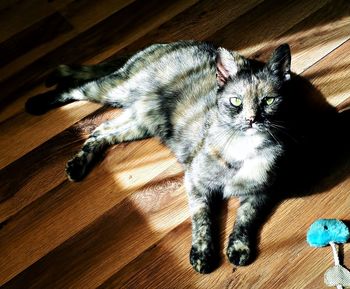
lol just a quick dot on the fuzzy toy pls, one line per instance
(325, 232)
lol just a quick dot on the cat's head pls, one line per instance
(249, 97)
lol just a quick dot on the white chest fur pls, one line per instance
(256, 161)
(242, 148)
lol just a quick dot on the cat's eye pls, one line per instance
(269, 100)
(235, 101)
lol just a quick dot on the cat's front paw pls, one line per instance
(76, 168)
(202, 259)
(238, 252)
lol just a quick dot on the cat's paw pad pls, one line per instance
(76, 168)
(238, 252)
(202, 259)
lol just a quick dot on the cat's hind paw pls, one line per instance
(76, 168)
(38, 104)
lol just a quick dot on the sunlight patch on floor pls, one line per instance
(303, 42)
(134, 177)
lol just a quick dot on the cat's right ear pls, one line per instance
(228, 63)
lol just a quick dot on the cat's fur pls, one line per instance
(184, 93)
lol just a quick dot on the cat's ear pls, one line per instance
(228, 63)
(279, 63)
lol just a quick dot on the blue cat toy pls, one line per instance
(325, 232)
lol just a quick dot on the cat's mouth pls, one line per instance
(251, 128)
(255, 128)
(251, 131)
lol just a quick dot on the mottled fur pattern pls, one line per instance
(215, 109)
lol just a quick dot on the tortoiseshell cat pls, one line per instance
(215, 109)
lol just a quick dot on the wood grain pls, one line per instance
(333, 69)
(11, 15)
(80, 15)
(37, 34)
(127, 224)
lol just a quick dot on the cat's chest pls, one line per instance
(242, 166)
(243, 148)
(252, 173)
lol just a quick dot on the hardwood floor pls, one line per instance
(127, 224)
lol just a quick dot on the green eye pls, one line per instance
(235, 101)
(269, 100)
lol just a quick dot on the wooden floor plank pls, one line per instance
(11, 15)
(197, 22)
(317, 35)
(81, 15)
(46, 162)
(22, 42)
(27, 136)
(265, 29)
(17, 106)
(332, 75)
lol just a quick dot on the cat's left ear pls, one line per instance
(279, 63)
(228, 63)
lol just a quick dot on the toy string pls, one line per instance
(335, 253)
(336, 259)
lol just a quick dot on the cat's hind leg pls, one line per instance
(87, 82)
(42, 103)
(125, 127)
(95, 91)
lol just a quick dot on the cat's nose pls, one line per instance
(250, 120)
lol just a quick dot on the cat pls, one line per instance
(219, 113)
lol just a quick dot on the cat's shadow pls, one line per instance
(320, 157)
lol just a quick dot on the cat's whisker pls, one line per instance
(284, 131)
(273, 136)
(278, 125)
(229, 140)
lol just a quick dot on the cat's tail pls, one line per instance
(74, 75)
